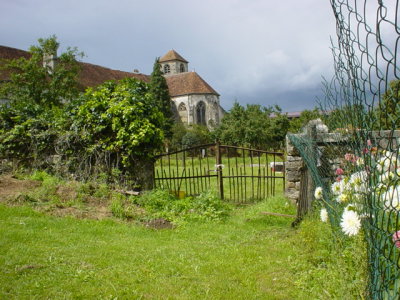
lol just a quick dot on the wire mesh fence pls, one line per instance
(356, 167)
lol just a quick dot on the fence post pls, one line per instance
(306, 195)
(219, 170)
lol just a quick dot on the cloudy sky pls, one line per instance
(252, 51)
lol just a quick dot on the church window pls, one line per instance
(167, 69)
(182, 111)
(182, 68)
(201, 113)
(182, 107)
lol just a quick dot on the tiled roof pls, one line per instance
(188, 83)
(172, 55)
(90, 75)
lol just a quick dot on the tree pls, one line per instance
(120, 119)
(305, 116)
(253, 126)
(37, 94)
(388, 110)
(160, 91)
(32, 81)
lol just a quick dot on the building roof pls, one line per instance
(188, 83)
(90, 75)
(172, 55)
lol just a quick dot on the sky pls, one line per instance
(250, 51)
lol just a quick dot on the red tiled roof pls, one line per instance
(172, 55)
(188, 83)
(90, 75)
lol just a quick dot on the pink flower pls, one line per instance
(350, 157)
(339, 178)
(339, 171)
(369, 143)
(396, 239)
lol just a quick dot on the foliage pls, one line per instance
(120, 118)
(160, 91)
(31, 82)
(206, 206)
(388, 110)
(185, 137)
(253, 126)
(306, 115)
(34, 114)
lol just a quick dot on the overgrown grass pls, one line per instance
(246, 255)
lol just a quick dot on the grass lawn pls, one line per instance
(248, 256)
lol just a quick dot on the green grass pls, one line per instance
(249, 256)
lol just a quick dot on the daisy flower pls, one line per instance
(350, 223)
(318, 193)
(324, 215)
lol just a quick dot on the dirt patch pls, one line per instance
(159, 224)
(97, 213)
(12, 187)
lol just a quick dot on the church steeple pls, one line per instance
(173, 63)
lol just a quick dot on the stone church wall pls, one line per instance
(190, 102)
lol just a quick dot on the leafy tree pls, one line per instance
(253, 126)
(33, 82)
(119, 118)
(31, 119)
(305, 116)
(159, 88)
(196, 135)
(388, 110)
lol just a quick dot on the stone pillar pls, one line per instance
(293, 165)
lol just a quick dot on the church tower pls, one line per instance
(172, 63)
(194, 100)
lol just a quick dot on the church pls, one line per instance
(194, 101)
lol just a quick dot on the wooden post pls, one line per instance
(219, 170)
(306, 196)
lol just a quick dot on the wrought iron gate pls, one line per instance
(236, 173)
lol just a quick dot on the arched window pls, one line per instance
(182, 68)
(182, 111)
(167, 69)
(201, 113)
(182, 107)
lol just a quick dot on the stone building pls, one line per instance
(195, 101)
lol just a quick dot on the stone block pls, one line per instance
(293, 176)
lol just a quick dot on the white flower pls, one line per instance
(392, 198)
(324, 215)
(336, 187)
(387, 176)
(360, 161)
(358, 181)
(350, 223)
(383, 164)
(342, 198)
(318, 193)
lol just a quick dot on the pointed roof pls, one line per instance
(188, 83)
(172, 55)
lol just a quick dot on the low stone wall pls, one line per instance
(329, 158)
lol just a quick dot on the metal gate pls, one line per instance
(238, 174)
